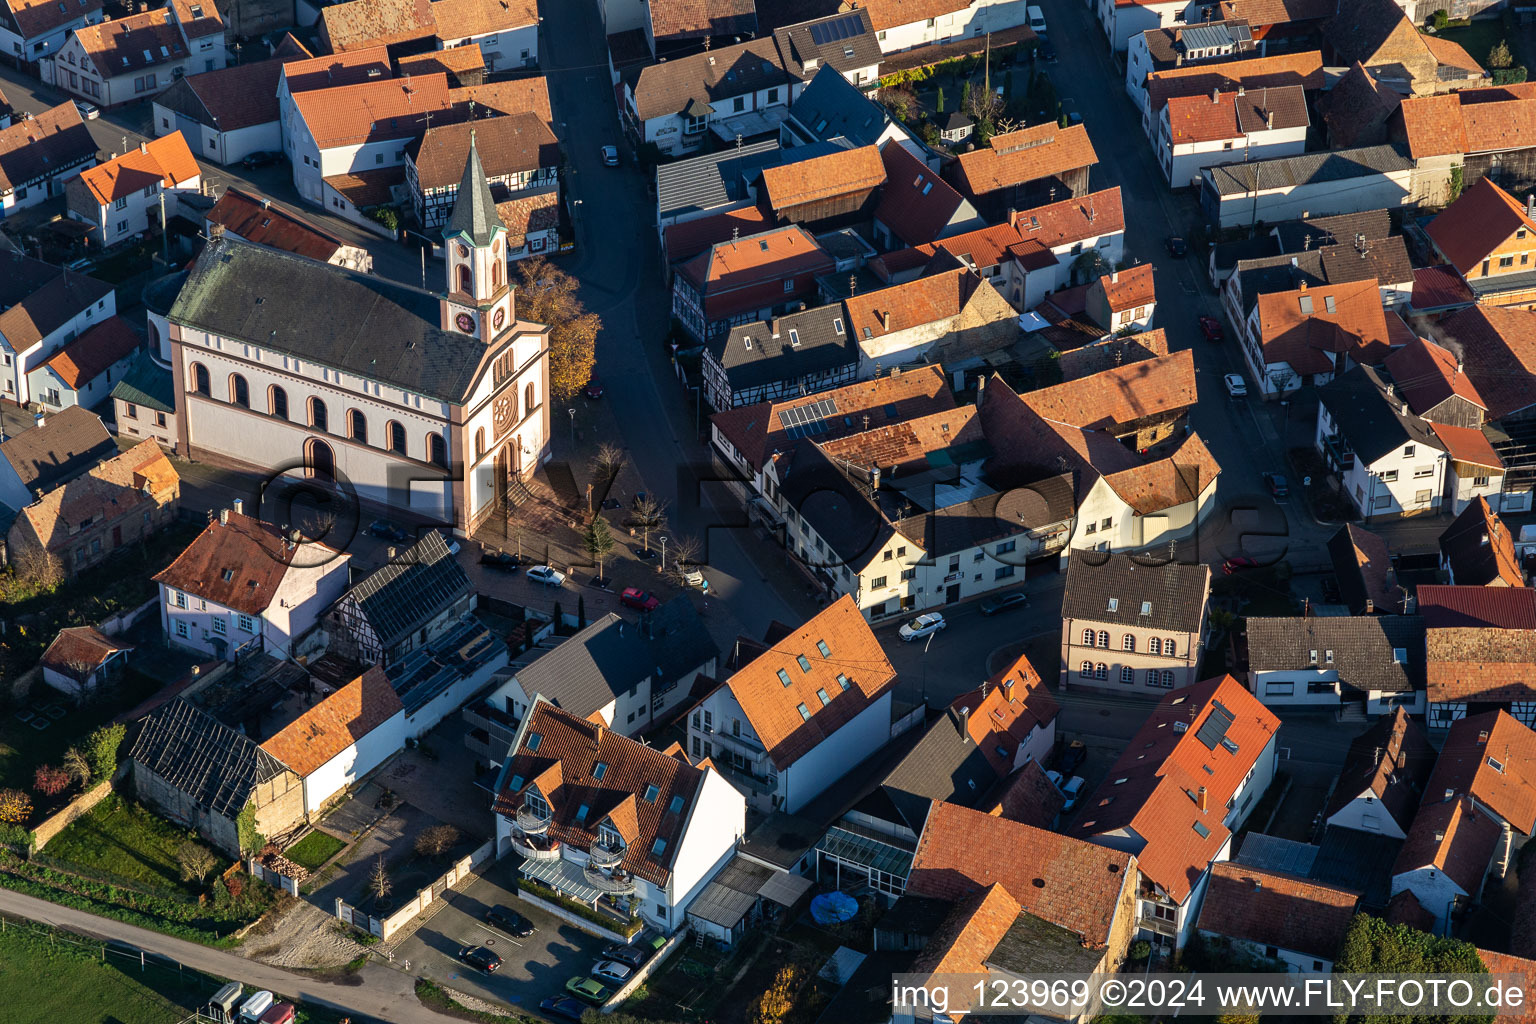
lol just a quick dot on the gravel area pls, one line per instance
(469, 1002)
(302, 936)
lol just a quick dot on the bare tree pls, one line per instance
(77, 766)
(378, 880)
(688, 550)
(436, 841)
(42, 570)
(650, 514)
(608, 461)
(195, 860)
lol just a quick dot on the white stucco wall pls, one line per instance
(1433, 889)
(1366, 814)
(831, 759)
(718, 818)
(356, 761)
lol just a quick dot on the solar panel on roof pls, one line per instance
(835, 29)
(1214, 729)
(805, 420)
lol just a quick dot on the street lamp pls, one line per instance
(572, 411)
(663, 567)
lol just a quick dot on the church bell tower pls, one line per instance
(477, 299)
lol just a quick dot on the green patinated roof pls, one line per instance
(147, 384)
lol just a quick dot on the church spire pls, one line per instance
(474, 209)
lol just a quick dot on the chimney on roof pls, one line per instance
(1114, 277)
(1460, 366)
(1240, 90)
(1303, 284)
(1269, 119)
(885, 321)
(143, 147)
(1008, 689)
(223, 517)
(1202, 800)
(1530, 205)
(965, 719)
(389, 552)
(1391, 389)
(1482, 737)
(1178, 60)
(981, 388)
(239, 506)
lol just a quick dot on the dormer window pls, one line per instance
(1114, 604)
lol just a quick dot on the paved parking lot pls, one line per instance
(532, 968)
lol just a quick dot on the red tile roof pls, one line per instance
(1453, 837)
(1070, 883)
(886, 14)
(256, 220)
(238, 564)
(901, 307)
(44, 145)
(326, 730)
(39, 17)
(1028, 796)
(1257, 73)
(527, 213)
(1436, 288)
(773, 707)
(513, 96)
(558, 764)
(125, 45)
(970, 933)
(79, 650)
(165, 161)
(1463, 444)
(1466, 766)
(231, 98)
(1480, 549)
(1525, 970)
(1210, 117)
(1427, 374)
(1072, 220)
(1269, 908)
(1499, 347)
(1480, 664)
(759, 431)
(1499, 607)
(1480, 220)
(457, 20)
(688, 238)
(359, 24)
(1127, 289)
(841, 173)
(1290, 334)
(1157, 484)
(1001, 714)
(916, 204)
(334, 69)
(88, 356)
(1481, 120)
(1028, 154)
(1163, 386)
(138, 478)
(763, 256)
(1155, 788)
(350, 115)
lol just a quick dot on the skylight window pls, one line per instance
(599, 770)
(676, 805)
(517, 783)
(1329, 305)
(1228, 744)
(659, 846)
(651, 793)
(581, 813)
(805, 664)
(534, 739)
(805, 712)
(1496, 766)
(821, 645)
(928, 188)
(229, 574)
(794, 338)
(1146, 607)
(825, 700)
(1001, 752)
(1306, 304)
(1114, 604)
(763, 246)
(1400, 655)
(837, 326)
(1202, 831)
(783, 677)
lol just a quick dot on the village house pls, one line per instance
(82, 660)
(1141, 404)
(747, 279)
(464, 65)
(1159, 49)
(630, 676)
(1450, 850)
(225, 114)
(30, 30)
(1489, 238)
(900, 26)
(1450, 607)
(255, 219)
(532, 220)
(451, 379)
(1381, 37)
(1298, 337)
(519, 153)
(1196, 132)
(417, 596)
(1277, 916)
(120, 501)
(321, 73)
(138, 56)
(674, 105)
(335, 744)
(799, 716)
(130, 194)
(1383, 778)
(1491, 758)
(243, 585)
(1029, 167)
(39, 154)
(1358, 109)
(56, 450)
(1149, 619)
(1482, 131)
(1278, 23)
(1371, 662)
(598, 816)
(144, 402)
(507, 34)
(1335, 249)
(1124, 20)
(945, 317)
(1435, 384)
(844, 41)
(83, 371)
(788, 356)
(823, 192)
(1475, 669)
(1478, 550)
(201, 773)
(45, 308)
(1253, 75)
(670, 28)
(916, 205)
(834, 110)
(1363, 567)
(1123, 300)
(1327, 182)
(1389, 460)
(1199, 764)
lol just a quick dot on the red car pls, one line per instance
(1240, 563)
(594, 388)
(1210, 327)
(634, 597)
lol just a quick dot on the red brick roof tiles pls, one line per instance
(1268, 908)
(1257, 73)
(916, 203)
(970, 933)
(1435, 288)
(845, 172)
(1427, 374)
(1291, 334)
(1490, 757)
(1500, 607)
(1127, 289)
(80, 650)
(887, 14)
(333, 69)
(310, 741)
(1025, 155)
(1480, 220)
(1453, 837)
(165, 161)
(1160, 387)
(88, 356)
(1065, 881)
(688, 238)
(1499, 347)
(1468, 663)
(1463, 444)
(351, 115)
(1470, 120)
(1071, 220)
(901, 307)
(238, 564)
(1232, 115)
(773, 707)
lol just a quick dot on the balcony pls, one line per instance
(745, 744)
(534, 847)
(604, 856)
(1153, 923)
(1338, 453)
(533, 821)
(611, 883)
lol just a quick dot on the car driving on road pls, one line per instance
(923, 625)
(547, 575)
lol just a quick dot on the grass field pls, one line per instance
(1483, 34)
(128, 840)
(314, 850)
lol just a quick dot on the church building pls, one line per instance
(424, 403)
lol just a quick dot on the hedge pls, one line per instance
(579, 908)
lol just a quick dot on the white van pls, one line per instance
(252, 1009)
(1036, 21)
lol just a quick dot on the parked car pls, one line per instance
(509, 921)
(923, 625)
(547, 575)
(479, 956)
(632, 956)
(586, 988)
(1176, 246)
(498, 559)
(1070, 756)
(89, 111)
(694, 577)
(389, 531)
(564, 1007)
(612, 971)
(644, 600)
(1236, 386)
(1210, 328)
(1046, 49)
(1036, 19)
(1238, 563)
(1003, 602)
(261, 158)
(610, 156)
(1072, 789)
(594, 388)
(1277, 485)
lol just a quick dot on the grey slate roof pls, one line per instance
(824, 343)
(703, 183)
(1340, 165)
(1338, 229)
(839, 510)
(611, 656)
(944, 765)
(1386, 259)
(474, 209)
(1035, 946)
(830, 108)
(412, 589)
(215, 766)
(1176, 592)
(989, 517)
(66, 445)
(326, 314)
(843, 41)
(1372, 423)
(1361, 647)
(147, 385)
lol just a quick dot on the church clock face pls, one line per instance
(463, 251)
(465, 323)
(503, 413)
(499, 319)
